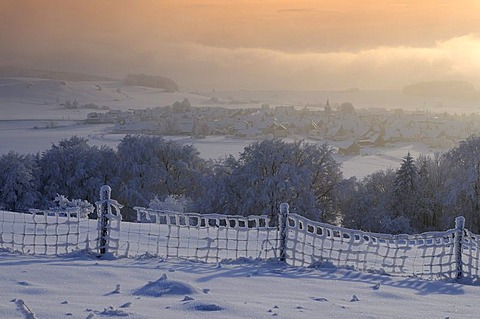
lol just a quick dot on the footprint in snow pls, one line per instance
(126, 305)
(24, 283)
(354, 298)
(376, 287)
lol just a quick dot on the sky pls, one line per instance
(249, 44)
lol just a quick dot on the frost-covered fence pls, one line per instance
(208, 238)
(470, 251)
(429, 255)
(48, 232)
(298, 241)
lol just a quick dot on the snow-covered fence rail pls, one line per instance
(429, 255)
(208, 238)
(46, 232)
(470, 255)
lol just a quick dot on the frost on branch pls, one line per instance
(173, 203)
(83, 207)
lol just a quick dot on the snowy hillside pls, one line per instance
(30, 98)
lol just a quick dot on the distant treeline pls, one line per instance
(422, 194)
(153, 81)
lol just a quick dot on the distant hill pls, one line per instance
(153, 81)
(11, 71)
(448, 89)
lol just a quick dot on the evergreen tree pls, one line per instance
(406, 196)
(430, 187)
(406, 174)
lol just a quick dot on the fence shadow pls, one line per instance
(247, 269)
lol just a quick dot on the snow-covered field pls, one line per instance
(81, 286)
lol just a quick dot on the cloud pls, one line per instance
(248, 44)
(199, 66)
(381, 68)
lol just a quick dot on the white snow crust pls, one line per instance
(81, 286)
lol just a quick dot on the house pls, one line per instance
(349, 148)
(338, 133)
(277, 130)
(185, 125)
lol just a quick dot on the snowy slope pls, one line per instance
(81, 286)
(30, 98)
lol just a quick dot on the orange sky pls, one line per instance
(249, 44)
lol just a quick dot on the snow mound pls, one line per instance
(203, 306)
(164, 286)
(207, 307)
(112, 312)
(322, 264)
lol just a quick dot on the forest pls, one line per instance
(422, 194)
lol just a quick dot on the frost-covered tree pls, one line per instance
(216, 195)
(430, 189)
(18, 182)
(367, 204)
(271, 172)
(462, 187)
(77, 170)
(174, 203)
(150, 166)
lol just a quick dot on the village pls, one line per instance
(342, 125)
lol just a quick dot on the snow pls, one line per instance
(81, 286)
(77, 285)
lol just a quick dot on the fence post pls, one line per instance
(104, 211)
(458, 240)
(283, 222)
(108, 222)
